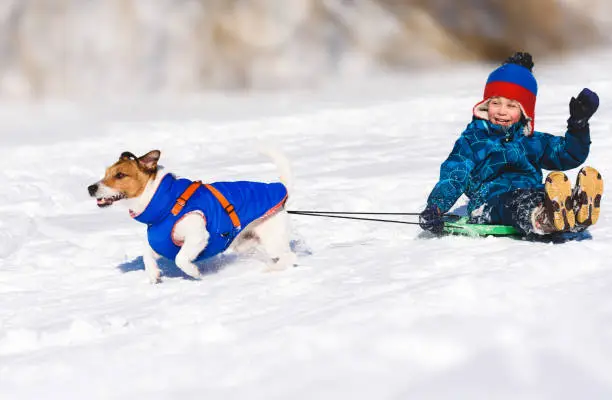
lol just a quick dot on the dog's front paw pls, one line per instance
(197, 276)
(154, 274)
(190, 269)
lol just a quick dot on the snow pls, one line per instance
(374, 311)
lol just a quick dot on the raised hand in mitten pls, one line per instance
(582, 108)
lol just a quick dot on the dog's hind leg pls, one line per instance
(151, 268)
(191, 231)
(273, 234)
(246, 241)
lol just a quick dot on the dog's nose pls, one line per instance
(92, 189)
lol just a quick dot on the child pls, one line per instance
(497, 161)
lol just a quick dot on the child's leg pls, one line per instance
(554, 209)
(515, 208)
(587, 196)
(541, 212)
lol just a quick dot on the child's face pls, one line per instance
(503, 111)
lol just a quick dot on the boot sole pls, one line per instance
(558, 201)
(589, 186)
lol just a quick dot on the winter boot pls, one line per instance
(541, 222)
(587, 196)
(558, 201)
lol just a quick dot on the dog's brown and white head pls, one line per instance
(126, 178)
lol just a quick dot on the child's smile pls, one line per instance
(501, 121)
(503, 111)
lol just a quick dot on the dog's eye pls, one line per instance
(120, 175)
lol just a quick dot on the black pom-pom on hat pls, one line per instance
(522, 59)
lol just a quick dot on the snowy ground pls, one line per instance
(374, 311)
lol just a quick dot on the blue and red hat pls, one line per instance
(514, 82)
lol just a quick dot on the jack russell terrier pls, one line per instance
(188, 221)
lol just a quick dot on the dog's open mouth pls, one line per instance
(107, 201)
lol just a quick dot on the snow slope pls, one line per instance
(374, 311)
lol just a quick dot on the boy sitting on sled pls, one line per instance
(497, 161)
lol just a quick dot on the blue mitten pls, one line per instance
(582, 109)
(431, 220)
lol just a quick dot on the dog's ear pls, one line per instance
(126, 155)
(149, 160)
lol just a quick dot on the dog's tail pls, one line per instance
(282, 164)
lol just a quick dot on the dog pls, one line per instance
(188, 221)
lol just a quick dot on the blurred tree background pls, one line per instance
(111, 48)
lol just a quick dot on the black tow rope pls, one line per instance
(347, 215)
(350, 215)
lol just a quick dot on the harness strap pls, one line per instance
(227, 206)
(182, 200)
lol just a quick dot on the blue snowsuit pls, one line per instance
(251, 200)
(494, 166)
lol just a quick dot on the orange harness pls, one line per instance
(191, 189)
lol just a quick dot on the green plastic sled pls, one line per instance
(460, 226)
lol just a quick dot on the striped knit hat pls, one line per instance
(513, 80)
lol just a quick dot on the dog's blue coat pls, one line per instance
(252, 200)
